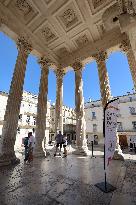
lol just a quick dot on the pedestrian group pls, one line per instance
(29, 144)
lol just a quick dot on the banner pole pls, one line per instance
(105, 182)
(105, 186)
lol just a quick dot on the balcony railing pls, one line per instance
(120, 129)
(126, 130)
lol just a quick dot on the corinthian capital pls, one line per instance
(24, 44)
(125, 45)
(77, 65)
(60, 73)
(100, 57)
(44, 62)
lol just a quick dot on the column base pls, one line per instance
(81, 151)
(6, 160)
(40, 153)
(118, 155)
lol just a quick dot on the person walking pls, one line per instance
(65, 145)
(31, 144)
(131, 145)
(26, 148)
(59, 141)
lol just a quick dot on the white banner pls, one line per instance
(111, 112)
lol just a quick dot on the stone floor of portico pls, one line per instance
(68, 181)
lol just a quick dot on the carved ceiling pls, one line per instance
(62, 30)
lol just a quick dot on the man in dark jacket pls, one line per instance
(26, 148)
(59, 142)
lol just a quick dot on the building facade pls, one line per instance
(75, 33)
(69, 123)
(126, 120)
(27, 116)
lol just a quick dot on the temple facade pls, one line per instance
(63, 35)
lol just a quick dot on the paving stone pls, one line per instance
(70, 181)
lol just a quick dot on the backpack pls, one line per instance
(26, 142)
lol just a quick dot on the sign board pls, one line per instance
(110, 131)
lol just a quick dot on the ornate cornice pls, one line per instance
(3, 20)
(100, 57)
(125, 45)
(127, 6)
(24, 44)
(77, 65)
(120, 6)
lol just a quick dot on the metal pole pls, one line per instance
(92, 148)
(104, 149)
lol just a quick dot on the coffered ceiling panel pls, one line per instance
(47, 33)
(23, 9)
(59, 29)
(61, 51)
(69, 17)
(38, 21)
(99, 5)
(83, 38)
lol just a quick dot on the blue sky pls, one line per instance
(117, 66)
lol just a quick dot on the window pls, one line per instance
(94, 128)
(34, 120)
(28, 119)
(18, 130)
(93, 115)
(132, 110)
(134, 125)
(20, 117)
(119, 126)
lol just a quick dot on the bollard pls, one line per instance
(92, 150)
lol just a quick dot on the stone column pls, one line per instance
(106, 92)
(81, 144)
(103, 77)
(7, 154)
(127, 49)
(41, 108)
(59, 101)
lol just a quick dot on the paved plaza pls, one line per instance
(69, 181)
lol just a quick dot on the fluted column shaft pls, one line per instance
(59, 101)
(79, 103)
(105, 91)
(103, 77)
(127, 49)
(41, 108)
(14, 101)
